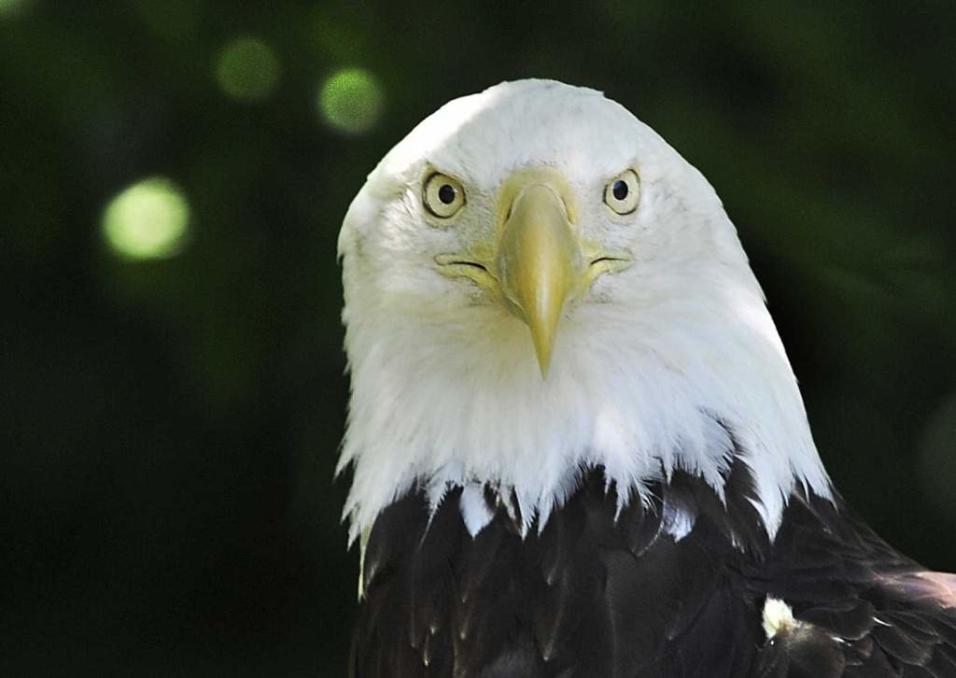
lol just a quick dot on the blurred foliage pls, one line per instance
(170, 424)
(351, 100)
(147, 220)
(247, 69)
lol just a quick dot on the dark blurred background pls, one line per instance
(173, 176)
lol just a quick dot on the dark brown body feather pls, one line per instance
(597, 594)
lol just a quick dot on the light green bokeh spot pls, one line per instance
(351, 101)
(148, 220)
(247, 69)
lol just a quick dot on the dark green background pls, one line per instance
(169, 427)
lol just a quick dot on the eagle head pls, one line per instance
(536, 282)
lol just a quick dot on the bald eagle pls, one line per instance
(577, 444)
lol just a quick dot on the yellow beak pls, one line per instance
(539, 260)
(536, 260)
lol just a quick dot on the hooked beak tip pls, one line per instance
(544, 362)
(542, 337)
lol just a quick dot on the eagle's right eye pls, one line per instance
(443, 196)
(623, 193)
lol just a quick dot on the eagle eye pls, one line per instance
(623, 192)
(443, 196)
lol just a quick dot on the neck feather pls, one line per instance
(670, 388)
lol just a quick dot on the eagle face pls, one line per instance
(534, 281)
(526, 203)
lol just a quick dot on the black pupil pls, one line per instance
(446, 194)
(619, 189)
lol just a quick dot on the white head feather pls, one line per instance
(648, 368)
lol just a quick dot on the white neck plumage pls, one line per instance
(457, 399)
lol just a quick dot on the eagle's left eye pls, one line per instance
(623, 192)
(443, 195)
